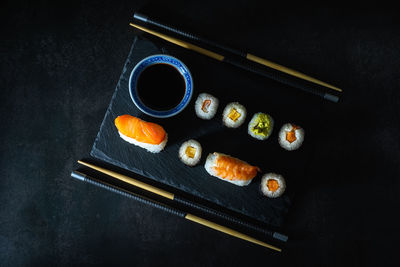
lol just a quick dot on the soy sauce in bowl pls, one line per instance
(160, 87)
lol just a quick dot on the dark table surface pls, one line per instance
(59, 66)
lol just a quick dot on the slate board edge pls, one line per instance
(114, 94)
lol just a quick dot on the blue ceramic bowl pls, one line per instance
(156, 59)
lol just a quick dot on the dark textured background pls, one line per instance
(59, 66)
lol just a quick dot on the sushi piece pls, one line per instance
(291, 136)
(147, 135)
(230, 169)
(206, 106)
(190, 152)
(234, 115)
(260, 126)
(273, 185)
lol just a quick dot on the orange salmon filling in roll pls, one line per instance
(291, 136)
(272, 185)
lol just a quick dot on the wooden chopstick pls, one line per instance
(182, 200)
(266, 72)
(181, 43)
(187, 216)
(289, 71)
(251, 57)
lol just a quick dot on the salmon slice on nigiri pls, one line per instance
(148, 135)
(230, 169)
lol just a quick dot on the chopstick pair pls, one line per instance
(271, 70)
(181, 200)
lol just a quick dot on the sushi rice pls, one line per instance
(190, 152)
(261, 126)
(149, 147)
(234, 115)
(206, 106)
(273, 185)
(291, 136)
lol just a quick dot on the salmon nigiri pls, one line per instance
(148, 135)
(230, 169)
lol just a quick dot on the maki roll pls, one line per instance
(206, 106)
(291, 136)
(147, 135)
(273, 185)
(230, 169)
(260, 126)
(190, 152)
(234, 115)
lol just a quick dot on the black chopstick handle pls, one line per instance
(145, 19)
(122, 192)
(280, 77)
(231, 219)
(277, 77)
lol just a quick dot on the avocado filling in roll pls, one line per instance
(262, 126)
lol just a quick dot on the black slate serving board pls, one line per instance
(228, 84)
